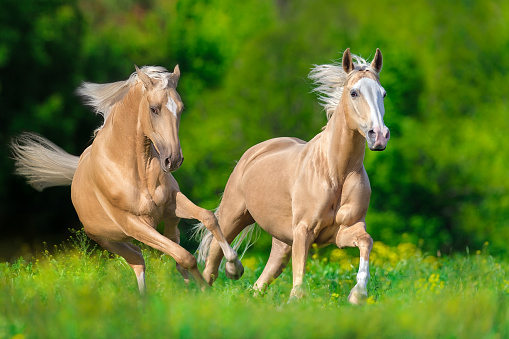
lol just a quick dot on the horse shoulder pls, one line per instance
(355, 197)
(100, 175)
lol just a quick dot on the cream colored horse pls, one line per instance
(121, 185)
(315, 192)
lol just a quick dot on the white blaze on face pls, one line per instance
(172, 106)
(373, 93)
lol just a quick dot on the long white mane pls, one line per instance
(330, 79)
(102, 97)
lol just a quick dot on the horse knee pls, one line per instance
(188, 261)
(364, 241)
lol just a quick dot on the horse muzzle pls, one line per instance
(171, 163)
(377, 138)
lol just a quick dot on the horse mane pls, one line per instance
(102, 97)
(330, 79)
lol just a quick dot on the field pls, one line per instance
(79, 291)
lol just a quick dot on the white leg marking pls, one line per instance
(363, 274)
(359, 292)
(141, 281)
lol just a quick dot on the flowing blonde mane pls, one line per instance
(102, 97)
(330, 79)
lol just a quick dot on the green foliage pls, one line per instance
(440, 183)
(81, 291)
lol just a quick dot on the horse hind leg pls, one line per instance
(280, 255)
(233, 219)
(131, 253)
(356, 236)
(187, 209)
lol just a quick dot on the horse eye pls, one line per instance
(353, 93)
(153, 109)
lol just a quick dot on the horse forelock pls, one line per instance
(330, 79)
(158, 73)
(102, 97)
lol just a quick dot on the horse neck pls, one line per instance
(342, 148)
(125, 139)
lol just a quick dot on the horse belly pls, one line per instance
(277, 224)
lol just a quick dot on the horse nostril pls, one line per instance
(167, 162)
(371, 134)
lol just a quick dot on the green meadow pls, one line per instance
(439, 210)
(76, 290)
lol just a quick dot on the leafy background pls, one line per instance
(441, 184)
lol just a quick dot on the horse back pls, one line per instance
(271, 147)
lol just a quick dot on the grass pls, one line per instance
(80, 291)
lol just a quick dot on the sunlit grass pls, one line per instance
(79, 291)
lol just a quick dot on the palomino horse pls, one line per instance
(315, 192)
(121, 185)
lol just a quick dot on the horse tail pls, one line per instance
(246, 238)
(43, 163)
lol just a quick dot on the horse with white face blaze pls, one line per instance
(311, 192)
(122, 185)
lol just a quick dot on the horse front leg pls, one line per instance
(356, 236)
(185, 208)
(139, 229)
(302, 240)
(171, 231)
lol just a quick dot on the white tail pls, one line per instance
(43, 163)
(248, 236)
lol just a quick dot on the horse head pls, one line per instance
(160, 111)
(364, 101)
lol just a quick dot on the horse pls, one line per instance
(121, 185)
(310, 192)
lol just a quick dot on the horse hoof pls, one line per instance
(357, 298)
(234, 270)
(298, 292)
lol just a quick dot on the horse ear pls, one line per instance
(377, 61)
(147, 81)
(347, 61)
(175, 76)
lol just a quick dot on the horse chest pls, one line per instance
(152, 202)
(160, 196)
(139, 200)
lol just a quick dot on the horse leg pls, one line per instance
(140, 230)
(278, 259)
(356, 236)
(131, 253)
(302, 240)
(171, 231)
(233, 218)
(187, 209)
